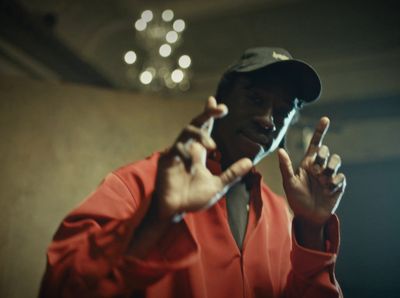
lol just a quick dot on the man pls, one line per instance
(197, 221)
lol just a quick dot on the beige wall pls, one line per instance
(58, 142)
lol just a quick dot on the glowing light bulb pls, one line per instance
(179, 25)
(130, 57)
(177, 76)
(146, 77)
(167, 15)
(140, 25)
(147, 15)
(184, 61)
(165, 50)
(171, 37)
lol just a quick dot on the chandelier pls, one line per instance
(156, 63)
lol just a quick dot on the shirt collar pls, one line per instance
(214, 165)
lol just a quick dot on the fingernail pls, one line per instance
(224, 111)
(211, 143)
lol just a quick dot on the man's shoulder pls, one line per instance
(147, 165)
(140, 173)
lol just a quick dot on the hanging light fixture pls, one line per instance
(157, 60)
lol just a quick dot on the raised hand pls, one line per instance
(316, 188)
(183, 182)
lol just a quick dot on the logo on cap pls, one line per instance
(279, 56)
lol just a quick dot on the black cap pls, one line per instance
(276, 59)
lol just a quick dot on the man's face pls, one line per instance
(259, 116)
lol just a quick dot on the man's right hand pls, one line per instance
(184, 184)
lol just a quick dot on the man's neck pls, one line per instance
(237, 202)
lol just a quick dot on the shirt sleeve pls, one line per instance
(312, 273)
(87, 257)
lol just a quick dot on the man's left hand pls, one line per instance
(316, 188)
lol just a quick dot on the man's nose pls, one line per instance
(266, 120)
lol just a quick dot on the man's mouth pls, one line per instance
(263, 139)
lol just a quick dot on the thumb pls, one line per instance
(236, 171)
(285, 165)
(229, 177)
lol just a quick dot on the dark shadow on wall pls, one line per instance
(368, 265)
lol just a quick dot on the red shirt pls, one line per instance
(198, 257)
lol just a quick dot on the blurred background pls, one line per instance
(87, 86)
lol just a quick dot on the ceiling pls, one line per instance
(354, 45)
(84, 41)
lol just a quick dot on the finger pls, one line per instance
(318, 136)
(191, 132)
(285, 165)
(332, 165)
(199, 155)
(320, 159)
(212, 104)
(236, 171)
(208, 126)
(211, 110)
(229, 177)
(322, 156)
(180, 152)
(338, 183)
(336, 192)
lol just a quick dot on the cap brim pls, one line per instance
(302, 75)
